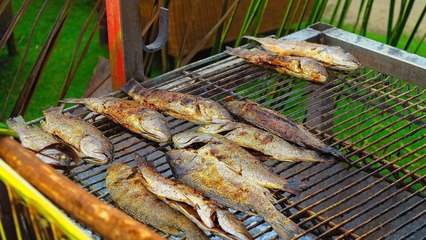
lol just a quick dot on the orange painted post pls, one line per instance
(125, 41)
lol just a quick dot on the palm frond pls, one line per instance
(416, 28)
(284, 19)
(34, 199)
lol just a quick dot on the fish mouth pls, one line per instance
(96, 160)
(159, 135)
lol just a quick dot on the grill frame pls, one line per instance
(220, 75)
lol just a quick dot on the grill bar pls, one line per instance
(388, 209)
(377, 120)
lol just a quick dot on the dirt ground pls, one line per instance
(378, 19)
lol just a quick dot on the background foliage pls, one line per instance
(75, 53)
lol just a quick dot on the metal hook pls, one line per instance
(163, 32)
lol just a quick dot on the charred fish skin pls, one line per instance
(330, 56)
(263, 141)
(236, 158)
(280, 125)
(301, 67)
(124, 184)
(196, 109)
(137, 118)
(36, 139)
(84, 137)
(228, 188)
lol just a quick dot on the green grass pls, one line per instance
(54, 75)
(56, 70)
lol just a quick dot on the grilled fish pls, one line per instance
(280, 125)
(223, 185)
(34, 138)
(167, 189)
(234, 157)
(84, 137)
(262, 141)
(130, 114)
(125, 186)
(305, 68)
(329, 56)
(192, 108)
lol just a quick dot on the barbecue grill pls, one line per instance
(374, 115)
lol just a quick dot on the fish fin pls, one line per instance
(131, 86)
(56, 109)
(73, 100)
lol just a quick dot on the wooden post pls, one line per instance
(125, 41)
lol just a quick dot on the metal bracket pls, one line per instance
(163, 32)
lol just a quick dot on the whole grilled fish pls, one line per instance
(125, 186)
(196, 109)
(34, 138)
(87, 139)
(262, 141)
(223, 185)
(280, 125)
(130, 114)
(329, 56)
(234, 157)
(167, 189)
(301, 67)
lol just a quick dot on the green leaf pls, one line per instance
(6, 131)
(344, 13)
(284, 19)
(416, 27)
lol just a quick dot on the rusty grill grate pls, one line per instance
(376, 119)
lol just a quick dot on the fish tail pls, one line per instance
(73, 100)
(16, 121)
(333, 151)
(195, 233)
(283, 226)
(131, 87)
(294, 187)
(252, 38)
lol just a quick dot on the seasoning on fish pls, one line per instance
(34, 138)
(207, 210)
(235, 158)
(301, 67)
(130, 114)
(262, 141)
(196, 109)
(218, 182)
(84, 137)
(125, 186)
(329, 56)
(280, 125)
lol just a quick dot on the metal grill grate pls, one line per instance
(376, 119)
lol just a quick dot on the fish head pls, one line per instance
(313, 70)
(215, 113)
(234, 106)
(185, 139)
(155, 129)
(340, 59)
(182, 161)
(96, 151)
